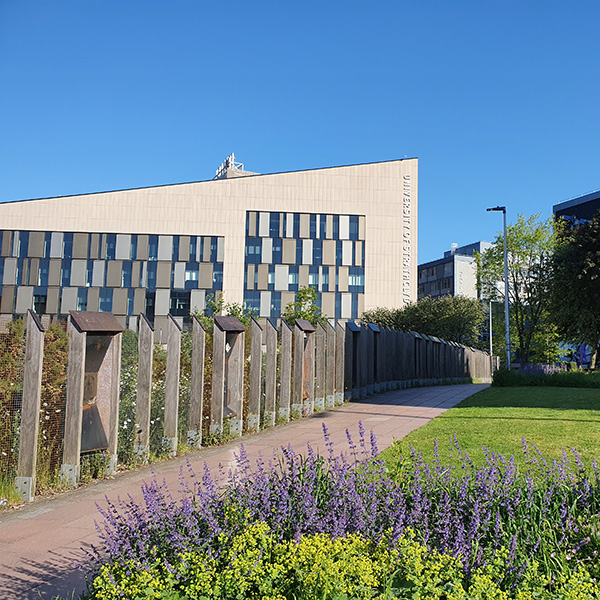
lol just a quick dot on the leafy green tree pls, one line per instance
(576, 284)
(452, 318)
(530, 245)
(304, 307)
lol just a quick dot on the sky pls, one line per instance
(499, 100)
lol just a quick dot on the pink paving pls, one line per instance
(40, 542)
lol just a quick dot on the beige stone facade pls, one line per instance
(383, 196)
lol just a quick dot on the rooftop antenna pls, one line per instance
(228, 163)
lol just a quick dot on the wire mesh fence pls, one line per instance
(52, 405)
(12, 361)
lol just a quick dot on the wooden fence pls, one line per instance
(293, 372)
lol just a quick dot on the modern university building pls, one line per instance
(350, 232)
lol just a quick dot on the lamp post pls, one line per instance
(506, 318)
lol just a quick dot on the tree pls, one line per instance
(304, 307)
(452, 318)
(576, 284)
(530, 245)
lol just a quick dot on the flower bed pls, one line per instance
(341, 526)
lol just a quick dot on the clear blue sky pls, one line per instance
(500, 101)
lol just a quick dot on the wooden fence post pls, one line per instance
(330, 362)
(228, 374)
(298, 367)
(30, 410)
(194, 436)
(255, 376)
(218, 381)
(286, 371)
(340, 363)
(271, 375)
(73, 405)
(143, 397)
(113, 426)
(169, 442)
(320, 369)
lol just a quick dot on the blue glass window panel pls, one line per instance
(252, 300)
(193, 247)
(338, 306)
(153, 247)
(39, 301)
(44, 272)
(151, 276)
(213, 249)
(106, 295)
(276, 305)
(134, 244)
(313, 226)
(338, 252)
(68, 245)
(296, 233)
(191, 284)
(130, 301)
(336, 227)
(47, 242)
(19, 271)
(277, 252)
(111, 246)
(298, 252)
(89, 272)
(24, 243)
(313, 276)
(150, 304)
(66, 272)
(82, 296)
(175, 256)
(322, 226)
(353, 227)
(253, 250)
(325, 280)
(127, 267)
(356, 280)
(293, 278)
(318, 252)
(1, 269)
(274, 225)
(180, 303)
(218, 276)
(354, 310)
(271, 278)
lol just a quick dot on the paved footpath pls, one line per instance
(40, 542)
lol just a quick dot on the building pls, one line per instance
(576, 210)
(455, 274)
(349, 231)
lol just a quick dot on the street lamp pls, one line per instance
(506, 318)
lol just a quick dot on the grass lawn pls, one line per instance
(499, 417)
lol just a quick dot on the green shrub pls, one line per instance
(252, 565)
(571, 379)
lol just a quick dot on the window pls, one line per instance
(82, 299)
(153, 247)
(106, 299)
(126, 281)
(39, 303)
(67, 245)
(66, 273)
(111, 246)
